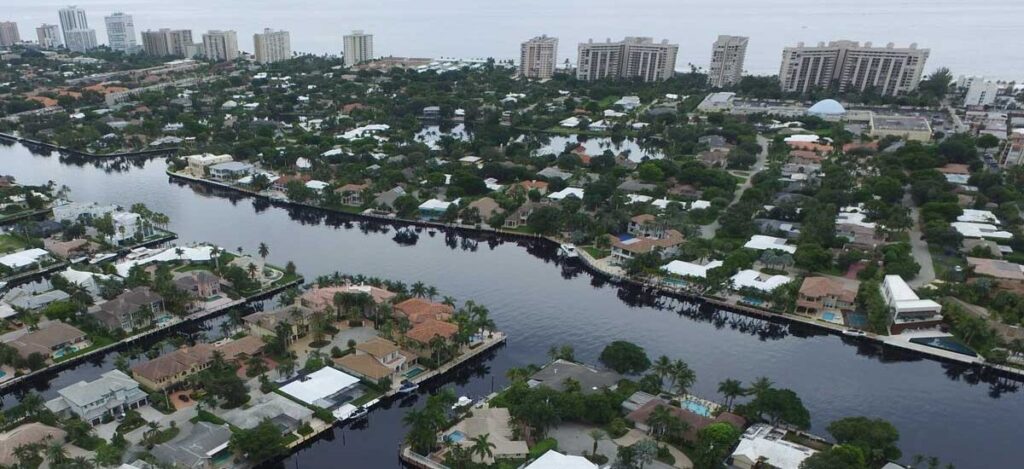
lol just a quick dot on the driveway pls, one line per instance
(573, 439)
(919, 248)
(340, 340)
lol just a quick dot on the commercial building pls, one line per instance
(633, 57)
(163, 42)
(80, 40)
(907, 311)
(849, 66)
(220, 46)
(981, 93)
(9, 33)
(72, 18)
(358, 47)
(114, 393)
(49, 36)
(727, 56)
(272, 46)
(906, 127)
(538, 57)
(121, 32)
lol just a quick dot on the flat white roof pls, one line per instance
(753, 279)
(189, 253)
(555, 460)
(24, 258)
(322, 383)
(575, 191)
(898, 289)
(980, 230)
(762, 242)
(758, 442)
(435, 204)
(978, 216)
(689, 269)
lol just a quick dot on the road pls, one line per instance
(708, 231)
(919, 248)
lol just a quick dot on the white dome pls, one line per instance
(827, 107)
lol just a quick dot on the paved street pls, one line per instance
(708, 231)
(919, 247)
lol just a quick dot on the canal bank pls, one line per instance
(540, 301)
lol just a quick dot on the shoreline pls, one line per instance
(585, 260)
(70, 151)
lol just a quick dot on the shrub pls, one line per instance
(543, 446)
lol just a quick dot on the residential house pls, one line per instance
(819, 295)
(632, 186)
(591, 380)
(176, 366)
(375, 360)
(749, 279)
(113, 394)
(133, 309)
(322, 298)
(386, 199)
(527, 186)
(265, 323)
(1005, 275)
(200, 284)
(766, 446)
(695, 421)
(230, 171)
(199, 448)
(52, 339)
(555, 460)
(907, 311)
(625, 247)
(487, 207)
(495, 423)
(352, 194)
(714, 159)
(424, 332)
(281, 183)
(129, 226)
(27, 434)
(715, 143)
(646, 226)
(25, 260)
(764, 243)
(418, 310)
(520, 215)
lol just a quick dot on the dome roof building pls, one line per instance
(827, 107)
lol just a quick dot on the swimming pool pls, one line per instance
(696, 407)
(456, 436)
(830, 317)
(412, 373)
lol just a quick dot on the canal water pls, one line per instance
(940, 409)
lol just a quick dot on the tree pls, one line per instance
(812, 257)
(682, 376)
(482, 446)
(781, 406)
(836, 457)
(625, 357)
(876, 438)
(545, 220)
(263, 250)
(714, 443)
(730, 389)
(597, 435)
(260, 443)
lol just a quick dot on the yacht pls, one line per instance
(407, 387)
(855, 333)
(568, 251)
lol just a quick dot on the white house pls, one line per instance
(753, 279)
(907, 309)
(114, 393)
(762, 444)
(762, 243)
(568, 191)
(689, 269)
(127, 225)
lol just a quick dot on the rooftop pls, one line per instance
(315, 387)
(591, 380)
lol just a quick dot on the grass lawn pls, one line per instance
(369, 396)
(945, 266)
(97, 342)
(194, 267)
(10, 243)
(597, 253)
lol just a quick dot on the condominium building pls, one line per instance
(163, 42)
(358, 47)
(121, 32)
(727, 55)
(849, 66)
(633, 57)
(72, 18)
(49, 36)
(80, 40)
(981, 93)
(538, 57)
(272, 46)
(220, 46)
(9, 33)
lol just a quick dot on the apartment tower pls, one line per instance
(848, 66)
(633, 57)
(727, 55)
(272, 46)
(358, 47)
(538, 57)
(220, 46)
(49, 36)
(9, 33)
(121, 32)
(163, 42)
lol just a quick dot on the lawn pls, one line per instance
(9, 243)
(597, 253)
(97, 342)
(370, 395)
(194, 267)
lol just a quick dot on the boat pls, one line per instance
(359, 413)
(102, 257)
(568, 251)
(855, 333)
(462, 402)
(407, 387)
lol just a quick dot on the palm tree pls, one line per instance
(682, 376)
(662, 367)
(263, 251)
(431, 292)
(482, 446)
(285, 368)
(731, 389)
(760, 385)
(418, 289)
(31, 404)
(450, 301)
(597, 435)
(56, 453)
(252, 271)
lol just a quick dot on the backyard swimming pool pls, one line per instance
(830, 317)
(456, 436)
(696, 407)
(413, 372)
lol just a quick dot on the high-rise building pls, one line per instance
(848, 66)
(220, 46)
(633, 57)
(72, 18)
(981, 93)
(358, 47)
(272, 46)
(121, 32)
(176, 42)
(81, 40)
(538, 57)
(727, 55)
(9, 33)
(49, 36)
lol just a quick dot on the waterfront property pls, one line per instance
(762, 443)
(826, 298)
(696, 415)
(52, 340)
(326, 387)
(24, 435)
(376, 359)
(175, 367)
(199, 448)
(907, 311)
(494, 422)
(134, 309)
(265, 323)
(418, 310)
(591, 380)
(100, 400)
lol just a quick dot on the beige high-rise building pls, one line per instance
(538, 57)
(49, 36)
(272, 46)
(633, 57)
(727, 55)
(81, 40)
(9, 33)
(121, 32)
(220, 46)
(358, 47)
(849, 66)
(164, 41)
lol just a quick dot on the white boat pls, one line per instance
(462, 402)
(568, 251)
(407, 387)
(854, 333)
(102, 257)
